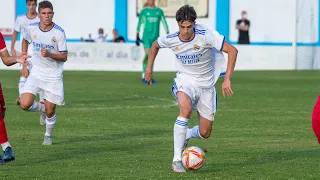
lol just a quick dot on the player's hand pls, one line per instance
(44, 52)
(13, 51)
(138, 40)
(23, 57)
(226, 88)
(148, 77)
(24, 71)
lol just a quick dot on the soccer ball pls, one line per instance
(193, 158)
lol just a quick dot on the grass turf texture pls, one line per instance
(115, 127)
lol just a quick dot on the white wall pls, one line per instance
(133, 19)
(79, 18)
(273, 20)
(7, 14)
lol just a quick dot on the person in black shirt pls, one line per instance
(116, 37)
(243, 25)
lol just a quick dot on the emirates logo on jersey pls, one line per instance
(53, 40)
(196, 47)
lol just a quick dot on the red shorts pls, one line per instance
(2, 102)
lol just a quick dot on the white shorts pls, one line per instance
(52, 91)
(204, 100)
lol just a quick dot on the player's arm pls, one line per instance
(24, 45)
(140, 21)
(152, 56)
(11, 60)
(164, 22)
(6, 58)
(16, 30)
(215, 40)
(232, 58)
(62, 56)
(13, 42)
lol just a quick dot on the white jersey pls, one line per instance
(195, 59)
(21, 24)
(54, 41)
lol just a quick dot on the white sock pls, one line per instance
(22, 81)
(179, 136)
(50, 124)
(142, 75)
(5, 145)
(36, 107)
(193, 132)
(41, 96)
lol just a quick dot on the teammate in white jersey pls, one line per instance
(198, 68)
(20, 25)
(49, 54)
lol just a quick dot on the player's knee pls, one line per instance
(24, 105)
(50, 112)
(185, 112)
(205, 133)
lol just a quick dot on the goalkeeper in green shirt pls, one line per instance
(150, 16)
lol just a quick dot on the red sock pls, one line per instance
(316, 119)
(3, 132)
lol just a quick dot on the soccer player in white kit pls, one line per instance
(198, 69)
(20, 25)
(49, 54)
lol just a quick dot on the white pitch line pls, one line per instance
(172, 103)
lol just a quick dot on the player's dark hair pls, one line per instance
(186, 13)
(45, 4)
(31, 1)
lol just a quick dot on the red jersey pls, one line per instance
(3, 46)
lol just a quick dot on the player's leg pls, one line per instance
(147, 46)
(184, 95)
(316, 119)
(6, 147)
(22, 81)
(28, 103)
(50, 122)
(206, 109)
(52, 98)
(30, 90)
(42, 114)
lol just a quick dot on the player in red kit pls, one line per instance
(7, 60)
(316, 119)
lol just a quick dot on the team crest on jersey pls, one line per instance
(176, 48)
(196, 47)
(53, 40)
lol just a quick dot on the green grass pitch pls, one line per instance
(115, 127)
